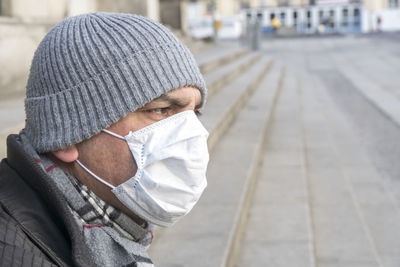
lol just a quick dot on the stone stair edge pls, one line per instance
(251, 181)
(230, 115)
(225, 74)
(214, 63)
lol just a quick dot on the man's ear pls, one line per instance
(67, 155)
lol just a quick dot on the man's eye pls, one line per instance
(158, 110)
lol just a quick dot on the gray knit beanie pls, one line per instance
(91, 70)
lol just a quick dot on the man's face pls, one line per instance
(110, 158)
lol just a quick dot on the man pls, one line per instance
(111, 145)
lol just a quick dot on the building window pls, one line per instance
(295, 18)
(345, 12)
(393, 3)
(357, 18)
(283, 18)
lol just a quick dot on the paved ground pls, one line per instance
(329, 189)
(327, 193)
(346, 66)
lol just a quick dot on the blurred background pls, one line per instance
(304, 120)
(24, 22)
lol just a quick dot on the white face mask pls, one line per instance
(171, 157)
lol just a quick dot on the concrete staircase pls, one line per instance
(289, 182)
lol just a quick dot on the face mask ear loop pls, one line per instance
(94, 175)
(113, 134)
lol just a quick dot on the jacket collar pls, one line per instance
(35, 177)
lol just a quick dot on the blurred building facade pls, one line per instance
(296, 16)
(23, 23)
(327, 16)
(368, 4)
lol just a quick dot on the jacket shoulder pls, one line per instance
(29, 231)
(16, 247)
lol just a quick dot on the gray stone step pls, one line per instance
(319, 201)
(209, 234)
(226, 73)
(212, 59)
(223, 107)
(279, 231)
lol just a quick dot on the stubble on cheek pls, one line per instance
(109, 158)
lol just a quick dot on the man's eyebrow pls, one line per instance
(175, 101)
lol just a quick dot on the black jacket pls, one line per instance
(36, 227)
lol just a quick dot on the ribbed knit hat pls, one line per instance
(91, 70)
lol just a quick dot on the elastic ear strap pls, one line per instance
(113, 134)
(94, 175)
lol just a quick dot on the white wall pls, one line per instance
(390, 20)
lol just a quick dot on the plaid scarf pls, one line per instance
(97, 213)
(112, 238)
